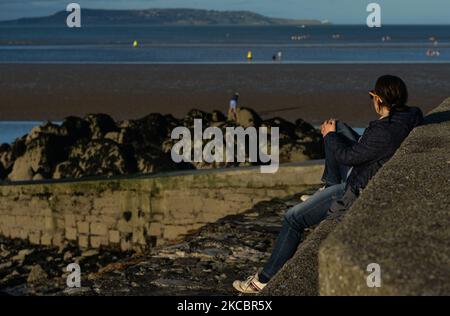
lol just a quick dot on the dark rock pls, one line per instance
(286, 129)
(18, 147)
(68, 169)
(218, 116)
(22, 254)
(188, 120)
(102, 157)
(293, 152)
(100, 125)
(4, 148)
(154, 160)
(155, 128)
(306, 132)
(37, 275)
(171, 120)
(41, 156)
(247, 117)
(6, 157)
(5, 265)
(77, 128)
(68, 255)
(47, 128)
(149, 131)
(3, 172)
(38, 177)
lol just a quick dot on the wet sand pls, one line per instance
(312, 92)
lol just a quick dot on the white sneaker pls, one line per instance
(306, 197)
(250, 286)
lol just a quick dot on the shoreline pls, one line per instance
(211, 63)
(313, 92)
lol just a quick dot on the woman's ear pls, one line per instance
(379, 100)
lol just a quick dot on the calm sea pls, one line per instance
(9, 131)
(220, 44)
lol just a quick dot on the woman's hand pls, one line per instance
(328, 126)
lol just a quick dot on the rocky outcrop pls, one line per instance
(98, 146)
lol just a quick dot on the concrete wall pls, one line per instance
(141, 211)
(401, 222)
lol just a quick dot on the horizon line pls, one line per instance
(324, 22)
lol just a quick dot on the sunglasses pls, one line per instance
(372, 94)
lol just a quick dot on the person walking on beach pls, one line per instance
(279, 56)
(350, 162)
(232, 109)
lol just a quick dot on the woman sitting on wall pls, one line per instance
(351, 161)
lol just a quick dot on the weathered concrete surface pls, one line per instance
(130, 213)
(401, 221)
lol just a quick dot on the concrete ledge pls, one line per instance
(401, 221)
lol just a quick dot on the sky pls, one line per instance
(335, 11)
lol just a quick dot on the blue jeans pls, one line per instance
(312, 211)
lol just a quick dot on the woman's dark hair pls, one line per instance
(392, 91)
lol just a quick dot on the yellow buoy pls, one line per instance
(135, 44)
(250, 55)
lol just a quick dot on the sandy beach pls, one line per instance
(313, 92)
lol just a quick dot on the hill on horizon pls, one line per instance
(91, 17)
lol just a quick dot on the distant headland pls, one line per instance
(163, 17)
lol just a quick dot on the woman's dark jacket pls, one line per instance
(377, 145)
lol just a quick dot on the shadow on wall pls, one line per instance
(437, 118)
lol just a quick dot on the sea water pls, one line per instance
(224, 44)
(10, 130)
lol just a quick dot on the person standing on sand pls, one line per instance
(350, 162)
(232, 109)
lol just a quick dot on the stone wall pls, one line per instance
(141, 211)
